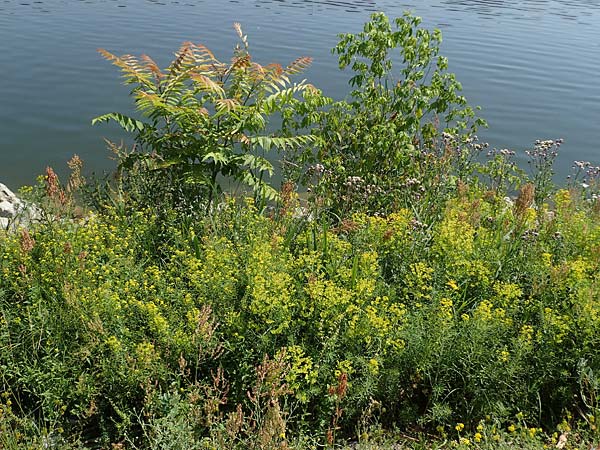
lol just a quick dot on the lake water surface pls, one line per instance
(533, 65)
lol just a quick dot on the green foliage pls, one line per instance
(541, 161)
(114, 335)
(207, 119)
(132, 325)
(404, 134)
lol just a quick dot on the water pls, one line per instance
(532, 65)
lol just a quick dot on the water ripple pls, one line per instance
(532, 64)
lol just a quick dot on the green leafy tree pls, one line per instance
(205, 120)
(400, 133)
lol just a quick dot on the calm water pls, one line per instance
(532, 65)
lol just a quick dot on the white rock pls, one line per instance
(13, 210)
(10, 205)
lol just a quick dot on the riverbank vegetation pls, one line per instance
(421, 291)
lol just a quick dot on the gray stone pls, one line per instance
(13, 211)
(10, 205)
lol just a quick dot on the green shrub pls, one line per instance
(206, 120)
(403, 137)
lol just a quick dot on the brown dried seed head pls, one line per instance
(52, 187)
(27, 242)
(525, 199)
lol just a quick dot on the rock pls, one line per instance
(9, 206)
(13, 210)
